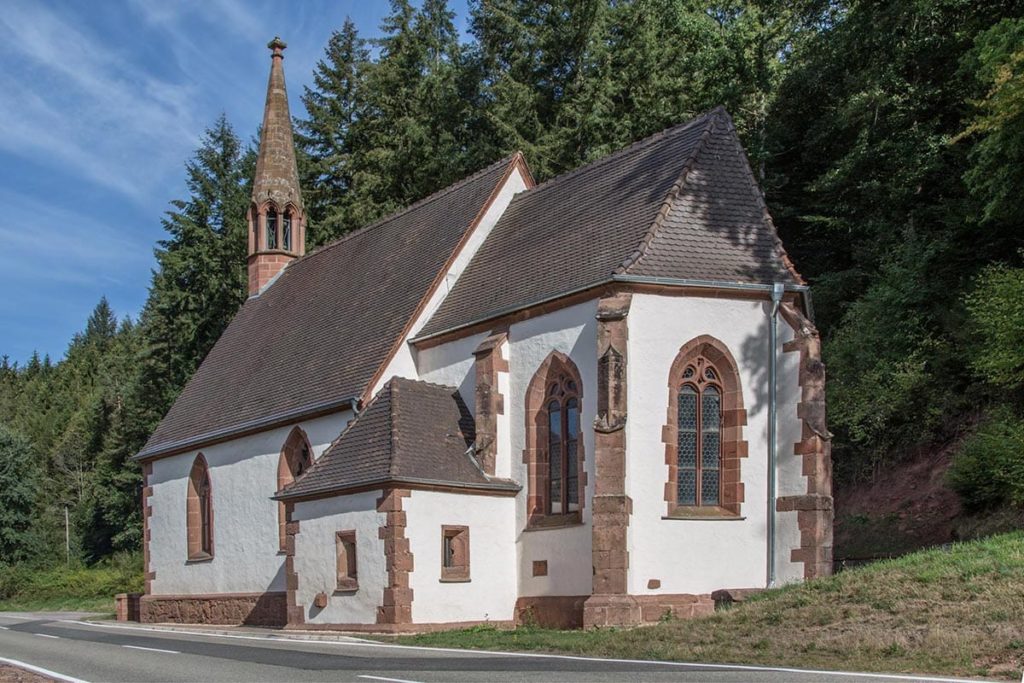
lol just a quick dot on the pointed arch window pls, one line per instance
(296, 457)
(704, 435)
(271, 228)
(199, 511)
(563, 410)
(286, 230)
(700, 440)
(554, 447)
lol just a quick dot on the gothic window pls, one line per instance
(563, 439)
(286, 231)
(296, 457)
(699, 440)
(704, 435)
(199, 511)
(554, 452)
(271, 229)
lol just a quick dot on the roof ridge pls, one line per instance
(672, 194)
(434, 196)
(624, 151)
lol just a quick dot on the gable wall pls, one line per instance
(404, 362)
(243, 477)
(699, 556)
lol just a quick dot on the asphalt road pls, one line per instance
(63, 644)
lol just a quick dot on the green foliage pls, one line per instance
(996, 308)
(988, 471)
(70, 587)
(19, 488)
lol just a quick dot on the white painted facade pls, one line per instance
(243, 477)
(490, 593)
(316, 558)
(703, 555)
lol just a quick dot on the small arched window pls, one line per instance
(700, 441)
(271, 229)
(296, 457)
(199, 511)
(286, 231)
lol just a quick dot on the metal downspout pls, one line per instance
(777, 290)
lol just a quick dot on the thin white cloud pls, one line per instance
(75, 103)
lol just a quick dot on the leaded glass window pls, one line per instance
(563, 412)
(699, 440)
(286, 231)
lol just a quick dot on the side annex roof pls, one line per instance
(411, 432)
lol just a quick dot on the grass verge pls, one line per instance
(75, 588)
(954, 612)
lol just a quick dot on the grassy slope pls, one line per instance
(956, 612)
(87, 589)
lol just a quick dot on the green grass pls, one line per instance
(75, 588)
(955, 612)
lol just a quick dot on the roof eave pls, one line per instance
(507, 488)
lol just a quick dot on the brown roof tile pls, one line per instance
(680, 204)
(317, 335)
(411, 432)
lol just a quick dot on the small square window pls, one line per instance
(348, 573)
(455, 553)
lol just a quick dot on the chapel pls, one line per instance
(595, 400)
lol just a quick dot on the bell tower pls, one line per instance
(277, 221)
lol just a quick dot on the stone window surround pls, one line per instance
(459, 569)
(258, 224)
(733, 417)
(348, 560)
(537, 438)
(197, 551)
(288, 464)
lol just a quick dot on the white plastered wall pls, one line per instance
(572, 331)
(243, 477)
(490, 594)
(316, 558)
(404, 363)
(699, 556)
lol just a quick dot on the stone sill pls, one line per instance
(454, 580)
(199, 559)
(705, 518)
(346, 589)
(555, 522)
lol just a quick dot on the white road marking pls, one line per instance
(40, 670)
(151, 649)
(46, 635)
(393, 680)
(4, 628)
(497, 653)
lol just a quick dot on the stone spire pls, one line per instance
(277, 221)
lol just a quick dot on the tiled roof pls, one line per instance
(679, 204)
(412, 432)
(317, 335)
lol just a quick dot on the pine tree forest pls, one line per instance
(888, 139)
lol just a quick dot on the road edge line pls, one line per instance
(40, 670)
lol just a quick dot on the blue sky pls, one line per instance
(102, 104)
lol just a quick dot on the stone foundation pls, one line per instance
(225, 609)
(128, 606)
(551, 611)
(634, 610)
